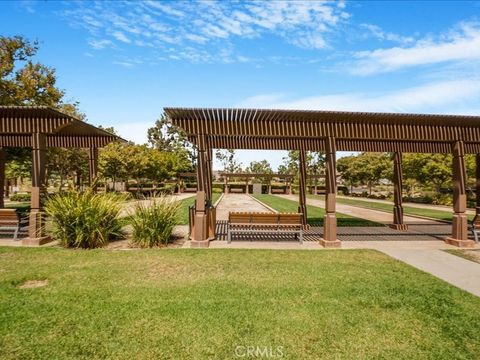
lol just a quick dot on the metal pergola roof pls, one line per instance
(18, 123)
(302, 129)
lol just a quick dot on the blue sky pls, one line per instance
(125, 61)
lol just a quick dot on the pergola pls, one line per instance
(38, 128)
(329, 132)
(247, 176)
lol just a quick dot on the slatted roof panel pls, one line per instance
(30, 119)
(249, 115)
(305, 129)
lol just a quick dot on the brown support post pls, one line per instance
(398, 223)
(269, 185)
(477, 184)
(246, 185)
(36, 235)
(3, 158)
(460, 221)
(226, 190)
(200, 229)
(329, 239)
(302, 198)
(92, 166)
(209, 174)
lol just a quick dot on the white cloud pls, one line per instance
(121, 37)
(207, 25)
(459, 44)
(380, 34)
(99, 44)
(435, 97)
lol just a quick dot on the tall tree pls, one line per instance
(26, 82)
(227, 158)
(165, 136)
(23, 81)
(429, 170)
(259, 167)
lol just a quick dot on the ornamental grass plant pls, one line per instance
(153, 221)
(84, 219)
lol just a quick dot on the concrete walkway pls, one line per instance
(409, 204)
(368, 214)
(238, 202)
(130, 206)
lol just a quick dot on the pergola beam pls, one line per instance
(302, 185)
(3, 158)
(329, 239)
(460, 220)
(398, 222)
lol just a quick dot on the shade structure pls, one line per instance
(353, 131)
(332, 131)
(38, 128)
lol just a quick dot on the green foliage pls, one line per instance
(259, 167)
(20, 197)
(365, 169)
(153, 221)
(227, 158)
(429, 170)
(85, 219)
(22, 81)
(119, 161)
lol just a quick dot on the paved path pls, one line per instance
(238, 202)
(368, 214)
(130, 206)
(409, 204)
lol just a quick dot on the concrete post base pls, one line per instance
(330, 244)
(199, 243)
(400, 227)
(36, 241)
(460, 243)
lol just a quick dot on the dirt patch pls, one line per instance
(179, 236)
(32, 284)
(473, 254)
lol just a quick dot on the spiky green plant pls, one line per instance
(153, 221)
(85, 219)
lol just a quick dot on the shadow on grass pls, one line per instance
(351, 222)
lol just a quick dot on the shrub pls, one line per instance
(153, 221)
(20, 197)
(85, 219)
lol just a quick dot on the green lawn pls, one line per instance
(197, 304)
(186, 203)
(314, 213)
(408, 210)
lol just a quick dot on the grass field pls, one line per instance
(197, 304)
(186, 203)
(314, 213)
(408, 210)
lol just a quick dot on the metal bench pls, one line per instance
(475, 227)
(10, 220)
(259, 222)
